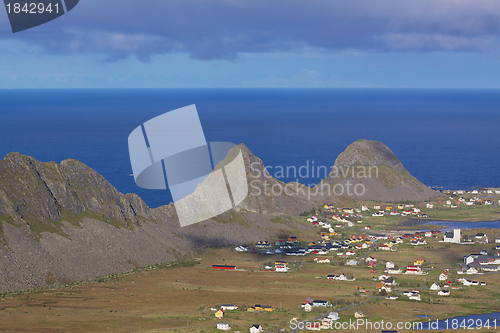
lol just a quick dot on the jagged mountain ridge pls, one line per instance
(65, 222)
(58, 188)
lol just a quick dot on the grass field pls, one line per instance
(179, 299)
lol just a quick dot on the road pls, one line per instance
(344, 308)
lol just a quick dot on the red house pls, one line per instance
(224, 267)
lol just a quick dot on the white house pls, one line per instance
(497, 240)
(319, 303)
(452, 237)
(341, 277)
(256, 329)
(308, 307)
(444, 293)
(281, 268)
(390, 281)
(223, 326)
(414, 270)
(429, 205)
(472, 270)
(225, 307)
(394, 271)
(383, 277)
(435, 287)
(322, 260)
(470, 258)
(466, 282)
(333, 316)
(386, 288)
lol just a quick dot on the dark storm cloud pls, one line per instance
(220, 29)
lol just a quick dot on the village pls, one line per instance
(344, 240)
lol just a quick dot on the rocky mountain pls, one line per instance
(65, 222)
(369, 170)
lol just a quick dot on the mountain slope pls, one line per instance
(369, 170)
(65, 222)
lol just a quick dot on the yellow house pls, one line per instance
(401, 206)
(358, 314)
(268, 308)
(219, 314)
(418, 262)
(388, 208)
(251, 309)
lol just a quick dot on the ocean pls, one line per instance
(445, 138)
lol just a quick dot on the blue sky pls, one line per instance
(257, 44)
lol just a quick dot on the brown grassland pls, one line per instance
(178, 299)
